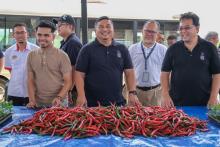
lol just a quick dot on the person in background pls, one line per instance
(194, 67)
(160, 38)
(49, 70)
(147, 57)
(15, 62)
(171, 39)
(70, 45)
(214, 39)
(99, 69)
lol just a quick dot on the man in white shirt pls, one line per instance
(15, 62)
(147, 57)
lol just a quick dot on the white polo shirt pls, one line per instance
(16, 61)
(154, 63)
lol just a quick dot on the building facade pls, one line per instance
(127, 31)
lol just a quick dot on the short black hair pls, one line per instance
(102, 18)
(47, 24)
(190, 15)
(19, 25)
(172, 37)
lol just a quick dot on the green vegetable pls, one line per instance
(5, 108)
(214, 112)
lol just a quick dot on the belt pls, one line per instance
(147, 88)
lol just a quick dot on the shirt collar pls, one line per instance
(68, 38)
(141, 43)
(200, 40)
(28, 47)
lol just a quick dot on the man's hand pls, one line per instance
(212, 102)
(133, 100)
(57, 102)
(81, 101)
(167, 102)
(31, 104)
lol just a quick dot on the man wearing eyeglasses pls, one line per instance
(193, 66)
(70, 44)
(15, 62)
(147, 57)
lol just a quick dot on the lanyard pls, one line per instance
(146, 57)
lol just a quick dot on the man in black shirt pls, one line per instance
(70, 43)
(1, 60)
(194, 67)
(99, 69)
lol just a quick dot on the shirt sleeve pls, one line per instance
(167, 65)
(65, 63)
(82, 62)
(215, 61)
(29, 67)
(127, 59)
(7, 59)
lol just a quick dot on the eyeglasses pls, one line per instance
(187, 28)
(105, 27)
(150, 31)
(61, 24)
(20, 33)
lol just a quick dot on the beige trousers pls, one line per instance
(151, 97)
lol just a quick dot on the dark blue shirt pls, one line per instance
(103, 67)
(191, 72)
(72, 47)
(1, 54)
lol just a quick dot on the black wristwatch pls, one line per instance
(134, 92)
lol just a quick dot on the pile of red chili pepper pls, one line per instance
(126, 121)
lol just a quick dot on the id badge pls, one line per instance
(145, 77)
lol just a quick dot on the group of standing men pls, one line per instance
(187, 73)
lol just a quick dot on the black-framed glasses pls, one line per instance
(61, 24)
(20, 33)
(187, 28)
(150, 31)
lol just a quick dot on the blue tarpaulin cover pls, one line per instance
(207, 139)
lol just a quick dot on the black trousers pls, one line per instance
(18, 101)
(72, 96)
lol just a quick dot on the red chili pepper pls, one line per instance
(123, 121)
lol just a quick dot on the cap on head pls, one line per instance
(65, 19)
